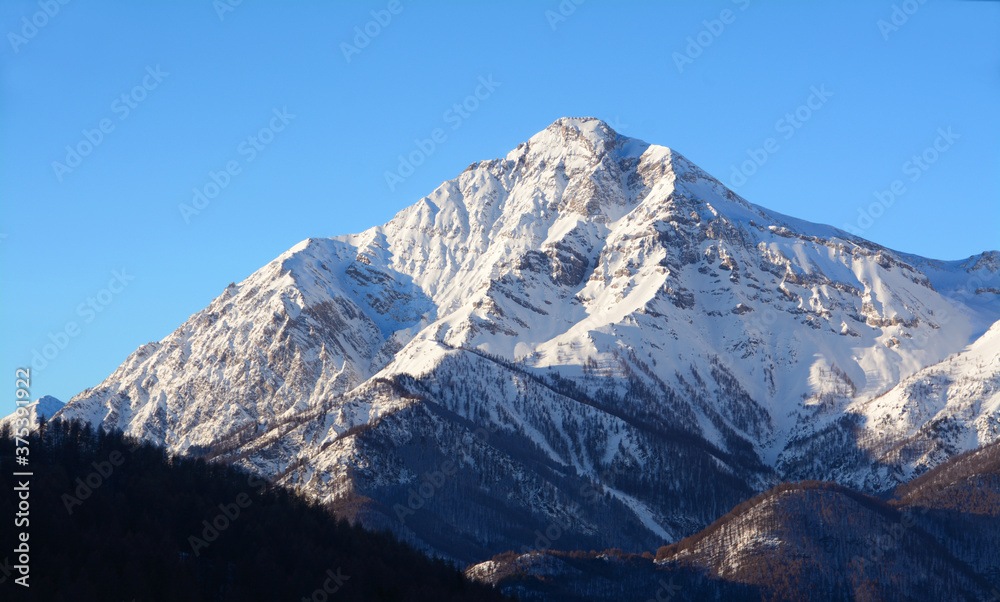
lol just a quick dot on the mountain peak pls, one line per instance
(587, 136)
(588, 126)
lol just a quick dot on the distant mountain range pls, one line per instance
(588, 344)
(42, 408)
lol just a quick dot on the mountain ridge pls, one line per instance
(603, 295)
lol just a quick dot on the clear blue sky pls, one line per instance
(324, 173)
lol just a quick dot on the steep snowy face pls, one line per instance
(614, 315)
(565, 183)
(270, 346)
(582, 242)
(942, 410)
(580, 227)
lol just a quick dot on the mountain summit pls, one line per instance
(589, 343)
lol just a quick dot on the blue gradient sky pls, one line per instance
(324, 173)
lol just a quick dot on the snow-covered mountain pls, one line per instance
(43, 407)
(589, 343)
(942, 410)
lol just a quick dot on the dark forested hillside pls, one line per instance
(937, 538)
(111, 520)
(959, 503)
